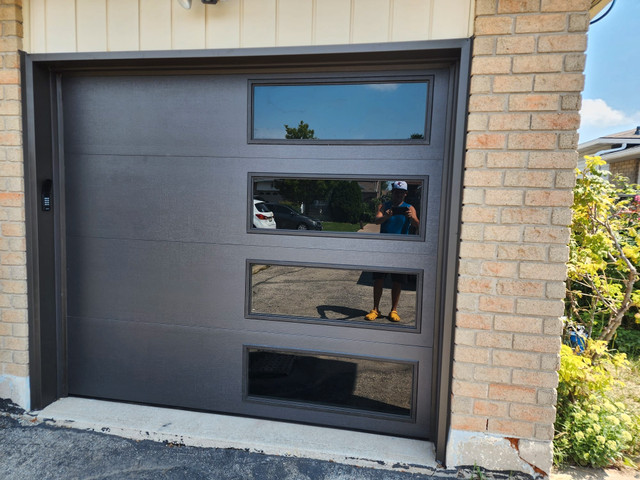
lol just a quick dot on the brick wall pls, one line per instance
(13, 286)
(626, 168)
(527, 75)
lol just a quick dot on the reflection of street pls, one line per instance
(323, 293)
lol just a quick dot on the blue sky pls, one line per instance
(611, 97)
(352, 111)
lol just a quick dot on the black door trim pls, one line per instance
(42, 144)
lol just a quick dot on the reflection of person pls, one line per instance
(396, 217)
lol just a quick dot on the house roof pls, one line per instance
(626, 144)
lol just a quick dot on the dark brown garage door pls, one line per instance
(179, 290)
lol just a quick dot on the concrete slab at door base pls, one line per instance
(196, 429)
(17, 389)
(493, 452)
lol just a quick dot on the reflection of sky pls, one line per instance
(355, 111)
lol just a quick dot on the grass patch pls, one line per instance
(340, 227)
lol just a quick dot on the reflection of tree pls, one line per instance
(344, 197)
(417, 136)
(304, 191)
(302, 132)
(346, 202)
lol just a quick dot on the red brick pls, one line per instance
(532, 141)
(482, 178)
(559, 82)
(533, 102)
(549, 198)
(490, 65)
(525, 215)
(487, 103)
(514, 45)
(486, 140)
(10, 139)
(518, 6)
(526, 178)
(510, 121)
(479, 214)
(486, 7)
(12, 229)
(535, 379)
(477, 250)
(541, 23)
(494, 339)
(511, 428)
(536, 343)
(466, 422)
(503, 197)
(522, 252)
(474, 321)
(538, 63)
(565, 5)
(475, 285)
(490, 409)
(543, 271)
(512, 393)
(519, 288)
(467, 354)
(469, 389)
(552, 308)
(499, 269)
(562, 43)
(510, 358)
(553, 159)
(547, 235)
(531, 413)
(555, 121)
(492, 374)
(506, 159)
(493, 25)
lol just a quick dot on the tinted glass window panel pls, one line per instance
(331, 381)
(331, 294)
(336, 205)
(348, 111)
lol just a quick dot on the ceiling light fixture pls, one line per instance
(185, 4)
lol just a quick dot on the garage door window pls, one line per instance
(328, 295)
(380, 110)
(377, 386)
(338, 205)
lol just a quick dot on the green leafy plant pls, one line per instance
(592, 428)
(604, 251)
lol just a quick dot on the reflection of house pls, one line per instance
(620, 150)
(267, 191)
(370, 189)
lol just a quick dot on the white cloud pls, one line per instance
(596, 112)
(383, 87)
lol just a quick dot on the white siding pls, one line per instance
(128, 25)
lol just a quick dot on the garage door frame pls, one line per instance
(41, 75)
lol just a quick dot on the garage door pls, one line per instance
(181, 292)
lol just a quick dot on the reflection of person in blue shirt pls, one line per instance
(396, 216)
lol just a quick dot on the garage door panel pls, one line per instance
(162, 305)
(160, 364)
(188, 199)
(207, 369)
(189, 115)
(183, 284)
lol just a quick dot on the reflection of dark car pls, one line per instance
(287, 217)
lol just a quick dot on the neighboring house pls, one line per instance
(133, 131)
(620, 150)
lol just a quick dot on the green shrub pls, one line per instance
(592, 429)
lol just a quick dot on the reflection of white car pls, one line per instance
(262, 216)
